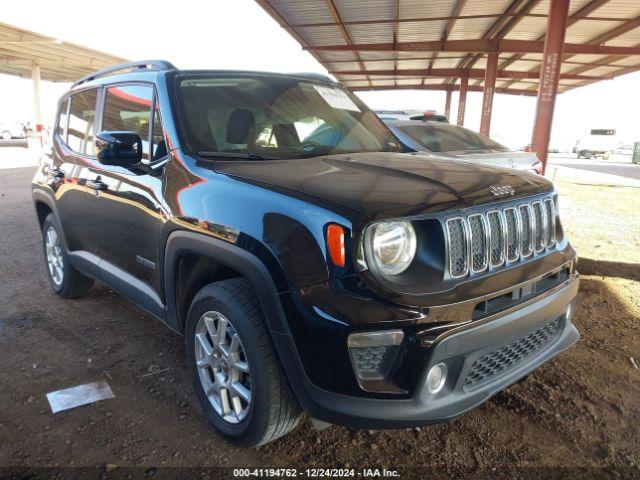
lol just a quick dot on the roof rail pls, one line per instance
(149, 65)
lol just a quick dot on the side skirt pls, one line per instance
(120, 281)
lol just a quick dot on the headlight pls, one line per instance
(393, 246)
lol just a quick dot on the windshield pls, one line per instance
(258, 116)
(449, 138)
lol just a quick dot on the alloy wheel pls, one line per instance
(223, 368)
(54, 256)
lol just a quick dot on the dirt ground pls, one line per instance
(576, 416)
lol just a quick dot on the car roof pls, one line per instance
(148, 70)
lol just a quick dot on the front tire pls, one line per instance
(6, 135)
(65, 280)
(237, 376)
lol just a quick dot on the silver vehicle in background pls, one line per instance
(452, 141)
(400, 114)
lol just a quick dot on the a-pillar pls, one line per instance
(488, 91)
(549, 77)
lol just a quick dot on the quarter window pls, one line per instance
(81, 116)
(63, 119)
(159, 147)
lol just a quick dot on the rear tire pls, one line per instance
(586, 154)
(65, 280)
(236, 374)
(6, 135)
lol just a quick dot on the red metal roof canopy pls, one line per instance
(417, 44)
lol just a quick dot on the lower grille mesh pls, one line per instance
(507, 357)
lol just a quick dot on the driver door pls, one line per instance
(129, 205)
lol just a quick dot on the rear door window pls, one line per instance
(82, 112)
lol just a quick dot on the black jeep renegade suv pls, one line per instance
(310, 264)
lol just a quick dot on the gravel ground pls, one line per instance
(578, 414)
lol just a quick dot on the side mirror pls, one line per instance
(122, 149)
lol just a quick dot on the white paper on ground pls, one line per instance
(336, 98)
(81, 395)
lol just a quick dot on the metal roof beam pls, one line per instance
(477, 46)
(460, 57)
(462, 73)
(616, 32)
(267, 7)
(503, 25)
(345, 33)
(576, 17)
(457, 9)
(444, 87)
(605, 37)
(579, 15)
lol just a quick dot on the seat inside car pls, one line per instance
(241, 127)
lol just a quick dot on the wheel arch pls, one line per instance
(44, 204)
(234, 260)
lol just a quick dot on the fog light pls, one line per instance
(436, 378)
(372, 352)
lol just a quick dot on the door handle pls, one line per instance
(96, 184)
(55, 173)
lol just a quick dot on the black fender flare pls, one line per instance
(42, 196)
(252, 268)
(230, 255)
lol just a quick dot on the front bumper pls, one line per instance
(482, 359)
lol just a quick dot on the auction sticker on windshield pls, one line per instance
(336, 98)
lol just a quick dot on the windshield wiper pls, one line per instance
(243, 156)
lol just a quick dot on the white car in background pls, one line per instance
(459, 143)
(11, 130)
(598, 142)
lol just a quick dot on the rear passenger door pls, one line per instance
(129, 207)
(73, 159)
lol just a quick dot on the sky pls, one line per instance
(238, 34)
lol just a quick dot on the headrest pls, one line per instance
(240, 127)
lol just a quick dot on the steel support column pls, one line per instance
(489, 90)
(462, 99)
(35, 77)
(447, 104)
(549, 76)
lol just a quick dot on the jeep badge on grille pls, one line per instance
(502, 190)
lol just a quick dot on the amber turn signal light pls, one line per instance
(335, 241)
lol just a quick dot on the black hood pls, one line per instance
(389, 185)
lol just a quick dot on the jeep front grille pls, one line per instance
(496, 238)
(492, 238)
(458, 247)
(540, 227)
(526, 233)
(550, 209)
(512, 221)
(479, 243)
